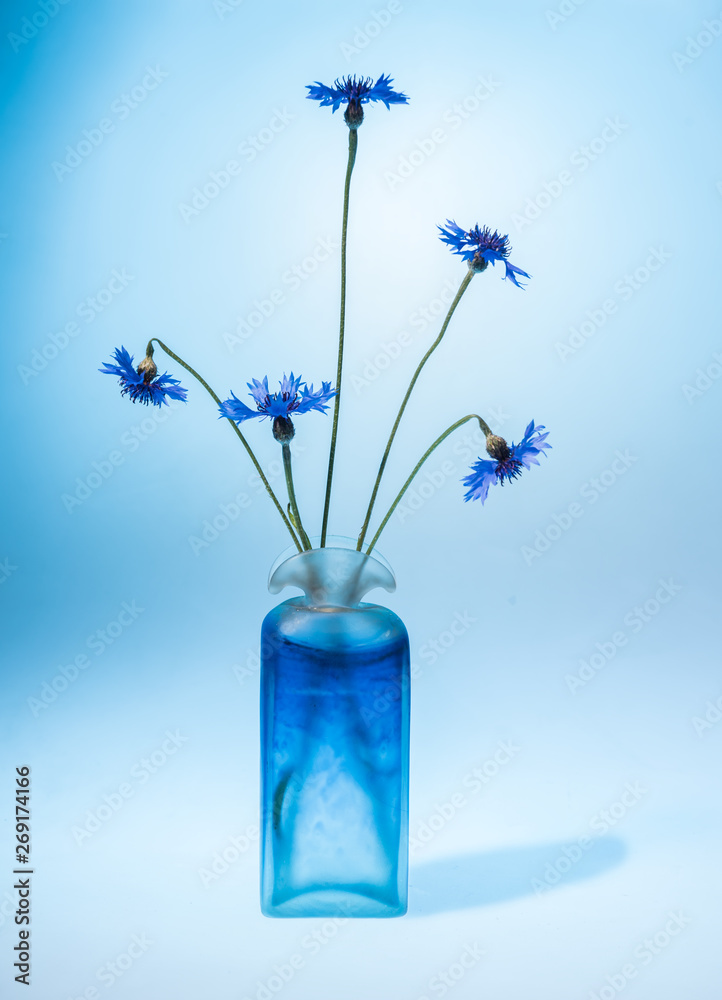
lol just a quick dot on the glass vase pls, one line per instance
(334, 741)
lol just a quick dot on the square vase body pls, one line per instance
(335, 759)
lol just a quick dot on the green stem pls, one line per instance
(471, 416)
(462, 288)
(352, 145)
(236, 428)
(286, 448)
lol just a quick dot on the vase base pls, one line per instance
(333, 903)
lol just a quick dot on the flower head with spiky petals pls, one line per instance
(506, 462)
(355, 92)
(295, 397)
(481, 247)
(143, 384)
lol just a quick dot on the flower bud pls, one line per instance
(497, 447)
(148, 368)
(283, 429)
(478, 263)
(354, 114)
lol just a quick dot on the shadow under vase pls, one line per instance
(469, 880)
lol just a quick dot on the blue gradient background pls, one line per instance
(186, 663)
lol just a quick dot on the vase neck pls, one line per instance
(332, 577)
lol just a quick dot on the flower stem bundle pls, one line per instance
(478, 247)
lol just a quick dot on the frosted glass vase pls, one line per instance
(334, 742)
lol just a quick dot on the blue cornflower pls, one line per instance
(507, 462)
(144, 384)
(295, 397)
(349, 90)
(481, 247)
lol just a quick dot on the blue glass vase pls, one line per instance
(334, 742)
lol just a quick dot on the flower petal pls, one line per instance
(236, 410)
